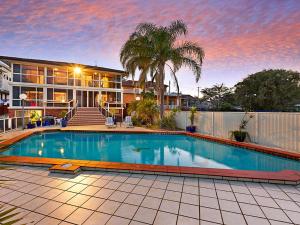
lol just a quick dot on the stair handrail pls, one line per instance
(106, 110)
(71, 110)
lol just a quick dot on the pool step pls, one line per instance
(87, 116)
(65, 168)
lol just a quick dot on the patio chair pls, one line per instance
(110, 122)
(128, 122)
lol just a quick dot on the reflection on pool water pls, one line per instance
(155, 149)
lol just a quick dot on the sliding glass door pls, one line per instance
(87, 98)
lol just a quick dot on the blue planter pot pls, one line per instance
(191, 129)
(64, 122)
(46, 123)
(38, 123)
(30, 125)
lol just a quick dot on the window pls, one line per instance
(58, 97)
(86, 79)
(34, 96)
(17, 72)
(118, 94)
(32, 74)
(111, 81)
(58, 76)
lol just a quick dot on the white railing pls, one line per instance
(106, 107)
(9, 124)
(72, 107)
(273, 129)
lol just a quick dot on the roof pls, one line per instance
(131, 83)
(59, 63)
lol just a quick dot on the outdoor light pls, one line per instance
(137, 98)
(23, 96)
(77, 70)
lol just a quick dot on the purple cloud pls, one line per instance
(244, 36)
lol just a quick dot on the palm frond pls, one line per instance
(177, 28)
(7, 216)
(174, 77)
(189, 48)
(145, 28)
(193, 65)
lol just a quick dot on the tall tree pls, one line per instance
(269, 90)
(220, 97)
(152, 49)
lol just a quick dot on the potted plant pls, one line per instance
(64, 120)
(38, 121)
(33, 118)
(192, 128)
(241, 134)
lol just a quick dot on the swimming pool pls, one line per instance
(153, 149)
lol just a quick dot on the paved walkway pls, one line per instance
(120, 199)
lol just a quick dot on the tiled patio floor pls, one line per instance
(120, 198)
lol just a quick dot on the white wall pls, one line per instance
(280, 130)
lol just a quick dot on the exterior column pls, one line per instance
(87, 96)
(45, 100)
(74, 95)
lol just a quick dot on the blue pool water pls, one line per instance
(155, 149)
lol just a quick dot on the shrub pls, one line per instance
(62, 114)
(144, 111)
(192, 116)
(168, 122)
(34, 116)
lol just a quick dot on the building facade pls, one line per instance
(5, 78)
(52, 87)
(132, 92)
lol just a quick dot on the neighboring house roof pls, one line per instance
(131, 83)
(58, 63)
(183, 96)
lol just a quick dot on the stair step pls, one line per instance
(87, 116)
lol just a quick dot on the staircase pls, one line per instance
(87, 116)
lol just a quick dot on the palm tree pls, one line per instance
(152, 49)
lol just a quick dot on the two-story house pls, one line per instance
(52, 86)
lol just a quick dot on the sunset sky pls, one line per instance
(239, 37)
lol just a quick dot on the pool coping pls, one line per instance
(282, 177)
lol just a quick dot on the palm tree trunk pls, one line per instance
(161, 90)
(161, 107)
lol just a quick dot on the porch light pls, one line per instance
(137, 98)
(77, 70)
(23, 96)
